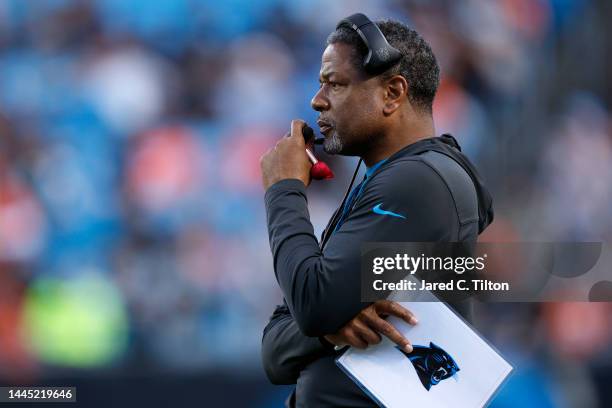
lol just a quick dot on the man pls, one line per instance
(417, 188)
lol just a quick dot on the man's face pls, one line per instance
(349, 102)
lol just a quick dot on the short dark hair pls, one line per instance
(418, 63)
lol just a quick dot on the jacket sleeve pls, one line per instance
(322, 288)
(285, 350)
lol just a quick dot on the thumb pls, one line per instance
(297, 128)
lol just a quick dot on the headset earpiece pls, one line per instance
(381, 55)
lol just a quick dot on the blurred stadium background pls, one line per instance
(134, 260)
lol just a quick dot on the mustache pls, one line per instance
(321, 121)
(325, 122)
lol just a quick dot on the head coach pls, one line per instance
(377, 85)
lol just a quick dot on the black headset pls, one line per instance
(381, 56)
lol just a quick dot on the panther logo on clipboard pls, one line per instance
(432, 364)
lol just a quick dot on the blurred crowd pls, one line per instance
(132, 226)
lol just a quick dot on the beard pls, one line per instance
(333, 144)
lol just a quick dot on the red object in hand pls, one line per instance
(319, 170)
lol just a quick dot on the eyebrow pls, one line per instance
(326, 75)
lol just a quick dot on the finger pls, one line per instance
(386, 329)
(336, 340)
(388, 307)
(297, 126)
(351, 338)
(368, 335)
(265, 156)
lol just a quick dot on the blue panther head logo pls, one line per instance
(432, 364)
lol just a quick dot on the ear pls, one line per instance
(396, 93)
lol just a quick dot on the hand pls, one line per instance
(365, 328)
(287, 159)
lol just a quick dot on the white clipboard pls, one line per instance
(451, 364)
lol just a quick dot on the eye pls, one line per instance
(333, 85)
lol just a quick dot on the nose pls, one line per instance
(319, 102)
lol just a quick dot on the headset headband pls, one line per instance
(381, 55)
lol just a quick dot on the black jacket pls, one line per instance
(441, 198)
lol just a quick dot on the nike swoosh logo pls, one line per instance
(380, 211)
